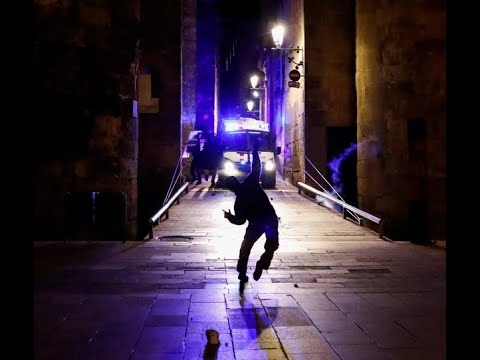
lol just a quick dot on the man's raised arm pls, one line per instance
(256, 165)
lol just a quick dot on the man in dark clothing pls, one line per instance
(252, 204)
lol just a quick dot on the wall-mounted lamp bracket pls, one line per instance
(290, 58)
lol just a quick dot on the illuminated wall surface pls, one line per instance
(372, 92)
(400, 82)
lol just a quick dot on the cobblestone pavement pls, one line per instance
(334, 291)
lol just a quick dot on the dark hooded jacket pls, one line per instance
(251, 201)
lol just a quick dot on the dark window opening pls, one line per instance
(96, 215)
(342, 161)
(155, 83)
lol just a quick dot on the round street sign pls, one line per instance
(294, 75)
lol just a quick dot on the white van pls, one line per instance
(237, 137)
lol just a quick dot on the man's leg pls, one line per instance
(192, 171)
(199, 175)
(271, 245)
(252, 234)
(214, 176)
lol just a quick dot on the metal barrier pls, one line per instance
(169, 199)
(345, 207)
(164, 210)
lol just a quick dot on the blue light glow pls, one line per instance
(335, 164)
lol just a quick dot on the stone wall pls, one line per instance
(160, 142)
(329, 79)
(294, 115)
(205, 75)
(85, 134)
(400, 80)
(189, 73)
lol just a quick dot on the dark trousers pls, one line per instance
(193, 169)
(255, 229)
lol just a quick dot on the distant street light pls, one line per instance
(250, 104)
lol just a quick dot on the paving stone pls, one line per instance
(309, 303)
(424, 354)
(248, 319)
(166, 320)
(312, 356)
(277, 300)
(139, 355)
(199, 327)
(208, 308)
(348, 336)
(249, 334)
(364, 352)
(200, 338)
(389, 335)
(170, 307)
(208, 353)
(263, 354)
(298, 332)
(169, 339)
(288, 316)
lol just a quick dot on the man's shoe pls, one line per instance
(243, 281)
(257, 274)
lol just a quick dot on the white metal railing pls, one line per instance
(164, 210)
(331, 187)
(345, 206)
(169, 199)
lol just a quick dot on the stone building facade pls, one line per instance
(374, 82)
(86, 59)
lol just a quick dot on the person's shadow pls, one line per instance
(257, 319)
(211, 351)
(213, 344)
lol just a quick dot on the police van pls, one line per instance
(237, 137)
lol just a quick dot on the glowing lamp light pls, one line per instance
(229, 165)
(231, 126)
(250, 105)
(230, 169)
(277, 34)
(256, 94)
(254, 81)
(269, 165)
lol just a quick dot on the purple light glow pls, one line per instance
(335, 164)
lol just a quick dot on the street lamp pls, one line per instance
(250, 104)
(254, 81)
(258, 92)
(277, 34)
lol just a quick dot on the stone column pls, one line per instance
(294, 106)
(400, 80)
(329, 78)
(189, 74)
